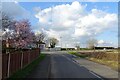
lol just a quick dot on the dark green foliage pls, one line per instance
(67, 49)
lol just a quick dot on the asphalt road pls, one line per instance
(61, 65)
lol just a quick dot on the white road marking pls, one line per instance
(73, 60)
(76, 62)
(96, 75)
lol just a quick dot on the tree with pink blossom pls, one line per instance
(23, 35)
(16, 34)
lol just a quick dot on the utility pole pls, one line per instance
(61, 41)
(65, 46)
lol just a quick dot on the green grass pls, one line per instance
(23, 72)
(76, 54)
(85, 49)
(72, 52)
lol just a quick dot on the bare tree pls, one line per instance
(7, 29)
(7, 22)
(7, 26)
(40, 38)
(92, 43)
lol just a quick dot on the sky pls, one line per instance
(70, 22)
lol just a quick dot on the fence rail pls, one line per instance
(16, 60)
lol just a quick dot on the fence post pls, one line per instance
(21, 60)
(29, 59)
(8, 71)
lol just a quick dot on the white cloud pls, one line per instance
(101, 42)
(73, 21)
(106, 43)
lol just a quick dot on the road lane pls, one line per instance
(42, 69)
(62, 67)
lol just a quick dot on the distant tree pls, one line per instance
(77, 46)
(53, 42)
(40, 38)
(92, 43)
(47, 42)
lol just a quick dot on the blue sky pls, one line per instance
(107, 34)
(112, 6)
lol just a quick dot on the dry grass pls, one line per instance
(112, 64)
(109, 58)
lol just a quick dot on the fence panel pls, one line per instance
(4, 65)
(25, 58)
(15, 60)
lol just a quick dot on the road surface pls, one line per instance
(61, 65)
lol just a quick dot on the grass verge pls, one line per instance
(110, 63)
(27, 69)
(76, 54)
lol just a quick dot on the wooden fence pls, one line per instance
(16, 60)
